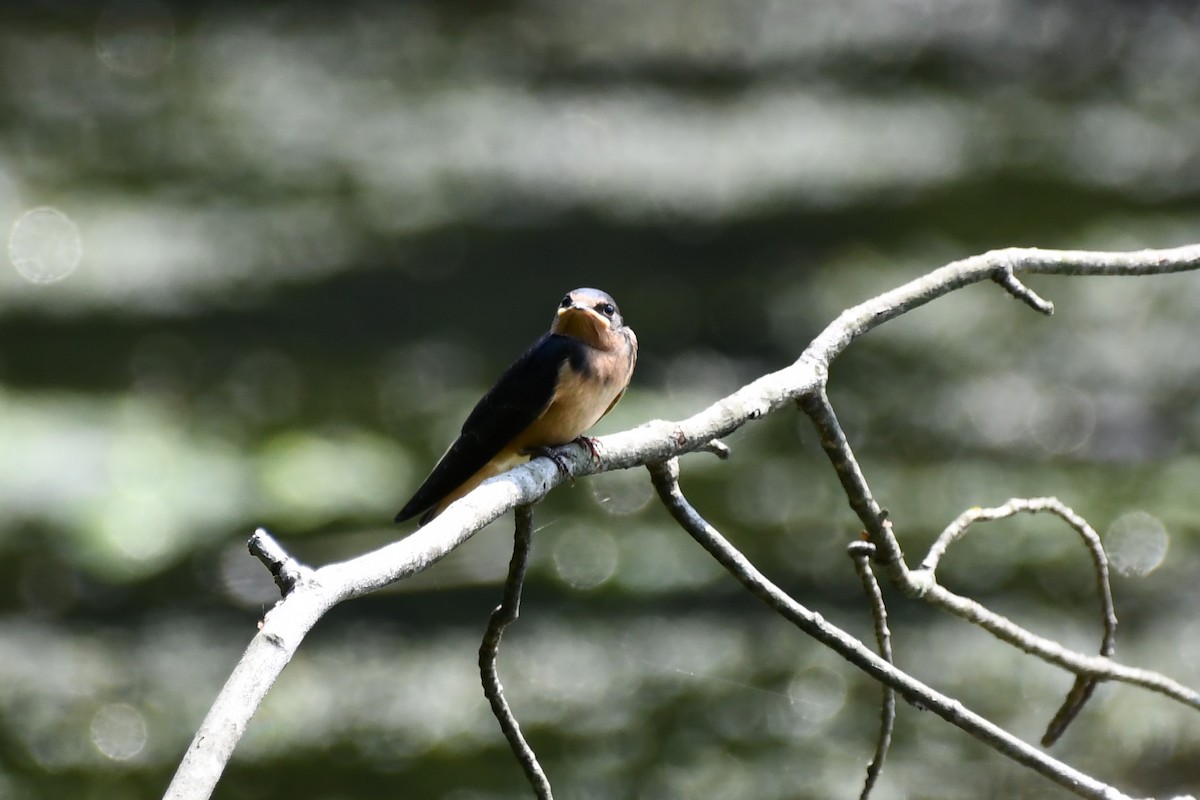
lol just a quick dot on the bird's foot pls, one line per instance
(548, 452)
(592, 446)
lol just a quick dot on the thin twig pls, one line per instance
(1084, 685)
(1005, 277)
(1050, 651)
(862, 552)
(718, 449)
(286, 571)
(665, 476)
(923, 583)
(503, 615)
(833, 440)
(1077, 696)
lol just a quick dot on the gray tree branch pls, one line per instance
(314, 592)
(666, 481)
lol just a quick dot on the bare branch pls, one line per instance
(269, 651)
(665, 476)
(1084, 685)
(503, 615)
(862, 552)
(1054, 653)
(833, 441)
(923, 583)
(313, 594)
(860, 319)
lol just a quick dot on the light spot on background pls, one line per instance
(310, 479)
(621, 492)
(585, 557)
(818, 694)
(44, 245)
(1001, 407)
(1136, 544)
(119, 731)
(1065, 422)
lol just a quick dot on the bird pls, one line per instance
(558, 388)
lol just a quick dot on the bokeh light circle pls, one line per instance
(119, 731)
(585, 557)
(1136, 543)
(817, 695)
(44, 245)
(622, 492)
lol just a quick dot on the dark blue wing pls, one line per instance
(520, 396)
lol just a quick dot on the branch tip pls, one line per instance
(860, 548)
(286, 571)
(1012, 284)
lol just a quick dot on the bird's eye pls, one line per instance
(566, 301)
(607, 309)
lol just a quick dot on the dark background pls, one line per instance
(295, 243)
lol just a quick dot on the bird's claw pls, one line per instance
(590, 444)
(549, 453)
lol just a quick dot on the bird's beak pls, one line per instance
(580, 311)
(579, 320)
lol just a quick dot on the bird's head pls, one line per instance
(587, 314)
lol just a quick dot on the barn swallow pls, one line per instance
(561, 386)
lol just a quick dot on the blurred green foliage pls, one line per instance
(263, 259)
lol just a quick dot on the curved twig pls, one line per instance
(1084, 685)
(503, 615)
(862, 552)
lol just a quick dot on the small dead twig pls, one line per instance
(1007, 279)
(503, 615)
(862, 552)
(286, 571)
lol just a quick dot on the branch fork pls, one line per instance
(309, 593)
